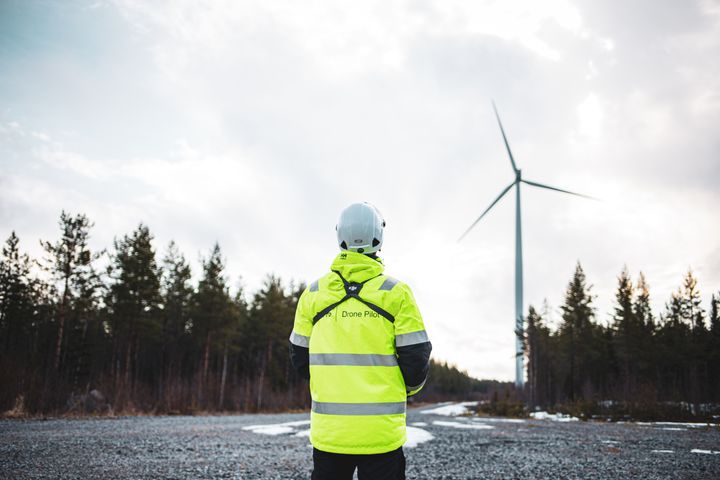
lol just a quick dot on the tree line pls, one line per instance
(127, 330)
(637, 363)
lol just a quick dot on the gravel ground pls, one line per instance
(219, 447)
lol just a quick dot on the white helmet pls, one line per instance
(360, 228)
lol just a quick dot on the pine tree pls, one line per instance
(211, 312)
(675, 356)
(694, 315)
(134, 302)
(715, 314)
(644, 341)
(539, 352)
(632, 333)
(70, 262)
(232, 339)
(270, 318)
(17, 299)
(691, 310)
(176, 302)
(641, 308)
(577, 337)
(625, 332)
(84, 335)
(713, 350)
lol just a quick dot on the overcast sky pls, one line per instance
(253, 123)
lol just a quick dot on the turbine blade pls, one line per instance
(540, 185)
(507, 145)
(487, 210)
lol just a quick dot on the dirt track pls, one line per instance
(219, 447)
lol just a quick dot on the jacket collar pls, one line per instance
(357, 267)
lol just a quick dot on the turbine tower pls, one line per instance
(519, 321)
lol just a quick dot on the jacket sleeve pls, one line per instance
(300, 339)
(412, 344)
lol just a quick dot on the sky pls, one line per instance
(254, 123)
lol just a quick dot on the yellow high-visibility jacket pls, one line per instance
(359, 335)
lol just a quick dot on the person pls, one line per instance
(359, 338)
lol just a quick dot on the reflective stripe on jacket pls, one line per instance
(364, 356)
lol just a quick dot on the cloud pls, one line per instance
(341, 38)
(253, 123)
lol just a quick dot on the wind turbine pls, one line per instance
(519, 322)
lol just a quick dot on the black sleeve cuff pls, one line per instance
(300, 358)
(414, 362)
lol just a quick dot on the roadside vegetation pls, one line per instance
(638, 365)
(129, 330)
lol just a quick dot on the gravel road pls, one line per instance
(461, 448)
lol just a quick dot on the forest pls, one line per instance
(129, 331)
(636, 364)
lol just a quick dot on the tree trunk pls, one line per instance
(206, 358)
(61, 324)
(572, 365)
(136, 366)
(223, 376)
(532, 370)
(163, 363)
(261, 381)
(128, 358)
(3, 313)
(204, 372)
(246, 400)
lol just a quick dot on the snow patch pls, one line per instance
(276, 428)
(271, 430)
(707, 452)
(681, 424)
(498, 420)
(472, 426)
(299, 423)
(416, 436)
(451, 409)
(677, 424)
(555, 417)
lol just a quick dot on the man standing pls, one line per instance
(360, 339)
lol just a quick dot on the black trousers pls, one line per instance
(339, 466)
